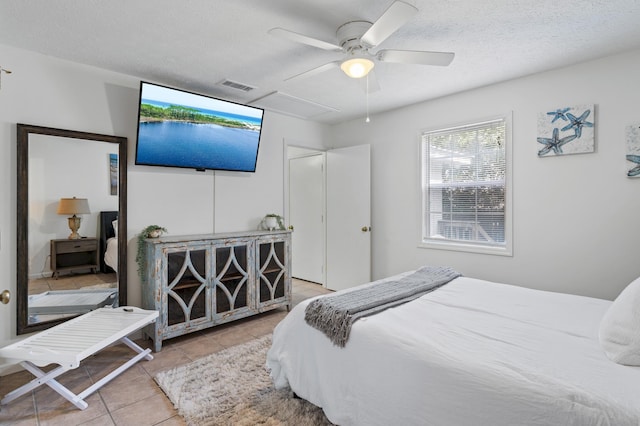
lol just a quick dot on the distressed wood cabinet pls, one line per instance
(199, 281)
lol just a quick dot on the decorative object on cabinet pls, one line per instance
(633, 150)
(74, 206)
(151, 231)
(74, 255)
(271, 222)
(199, 281)
(568, 130)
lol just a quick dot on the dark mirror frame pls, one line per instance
(23, 133)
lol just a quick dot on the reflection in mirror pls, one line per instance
(71, 224)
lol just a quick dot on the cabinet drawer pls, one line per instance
(73, 246)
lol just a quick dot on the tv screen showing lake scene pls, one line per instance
(182, 129)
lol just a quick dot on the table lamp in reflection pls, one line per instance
(74, 206)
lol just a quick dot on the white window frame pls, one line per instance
(446, 244)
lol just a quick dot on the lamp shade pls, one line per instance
(357, 67)
(73, 206)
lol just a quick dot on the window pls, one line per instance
(465, 188)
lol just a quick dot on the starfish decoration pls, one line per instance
(578, 123)
(559, 114)
(636, 170)
(554, 143)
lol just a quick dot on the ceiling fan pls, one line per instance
(357, 38)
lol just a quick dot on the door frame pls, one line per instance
(297, 151)
(301, 151)
(316, 199)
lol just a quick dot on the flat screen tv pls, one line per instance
(177, 128)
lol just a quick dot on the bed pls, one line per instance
(472, 352)
(108, 241)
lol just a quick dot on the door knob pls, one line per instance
(5, 297)
(291, 227)
(365, 228)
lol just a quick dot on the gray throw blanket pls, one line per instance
(335, 314)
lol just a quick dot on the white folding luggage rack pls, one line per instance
(69, 343)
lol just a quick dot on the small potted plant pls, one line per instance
(273, 221)
(151, 231)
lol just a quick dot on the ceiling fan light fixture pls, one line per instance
(357, 67)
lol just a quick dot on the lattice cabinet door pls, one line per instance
(233, 294)
(274, 271)
(187, 292)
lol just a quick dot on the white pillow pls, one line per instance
(115, 227)
(620, 327)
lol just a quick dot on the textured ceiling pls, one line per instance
(195, 44)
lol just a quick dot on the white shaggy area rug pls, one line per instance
(232, 387)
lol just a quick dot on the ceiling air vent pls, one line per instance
(235, 85)
(291, 105)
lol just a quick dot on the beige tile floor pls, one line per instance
(133, 398)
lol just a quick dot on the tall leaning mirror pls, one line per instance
(72, 224)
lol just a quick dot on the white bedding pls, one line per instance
(111, 253)
(470, 353)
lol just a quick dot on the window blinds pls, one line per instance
(463, 183)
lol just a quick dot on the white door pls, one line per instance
(348, 217)
(306, 216)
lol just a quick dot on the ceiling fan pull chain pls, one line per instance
(367, 94)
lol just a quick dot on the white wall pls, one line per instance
(575, 217)
(48, 92)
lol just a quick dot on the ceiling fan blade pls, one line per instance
(393, 18)
(416, 57)
(299, 38)
(314, 71)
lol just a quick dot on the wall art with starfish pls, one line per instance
(633, 150)
(567, 130)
